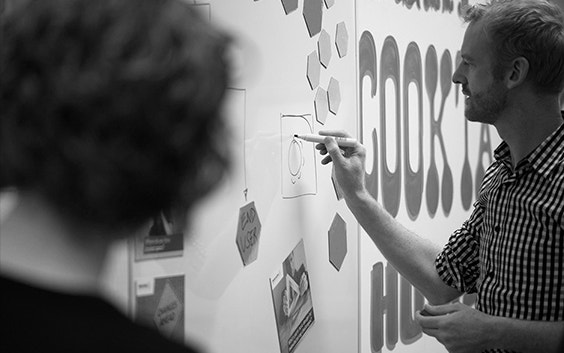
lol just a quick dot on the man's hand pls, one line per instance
(460, 328)
(347, 161)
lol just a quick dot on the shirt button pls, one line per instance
(497, 228)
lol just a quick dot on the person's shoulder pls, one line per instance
(96, 324)
(146, 339)
(123, 334)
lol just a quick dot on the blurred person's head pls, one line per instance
(110, 109)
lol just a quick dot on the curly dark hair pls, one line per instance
(110, 109)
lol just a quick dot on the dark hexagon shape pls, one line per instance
(321, 106)
(289, 5)
(337, 242)
(313, 16)
(248, 233)
(313, 70)
(336, 186)
(334, 95)
(342, 39)
(324, 48)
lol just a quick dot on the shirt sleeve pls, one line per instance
(458, 265)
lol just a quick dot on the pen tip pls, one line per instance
(295, 135)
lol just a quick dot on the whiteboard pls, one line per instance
(302, 66)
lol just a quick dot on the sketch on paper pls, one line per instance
(299, 171)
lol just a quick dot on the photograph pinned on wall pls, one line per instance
(291, 296)
(159, 303)
(164, 238)
(299, 170)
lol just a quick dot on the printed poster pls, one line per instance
(291, 295)
(165, 238)
(159, 303)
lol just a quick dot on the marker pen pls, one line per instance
(341, 141)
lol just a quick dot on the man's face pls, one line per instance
(486, 94)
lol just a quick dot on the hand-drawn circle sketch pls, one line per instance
(296, 159)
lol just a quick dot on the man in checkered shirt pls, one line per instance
(511, 249)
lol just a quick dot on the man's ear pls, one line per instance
(517, 72)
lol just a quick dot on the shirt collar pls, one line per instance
(544, 158)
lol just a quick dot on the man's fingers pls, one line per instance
(427, 322)
(430, 331)
(321, 148)
(333, 149)
(326, 160)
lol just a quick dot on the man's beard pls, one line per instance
(486, 106)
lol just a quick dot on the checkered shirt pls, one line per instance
(511, 249)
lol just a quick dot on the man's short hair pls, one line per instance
(533, 29)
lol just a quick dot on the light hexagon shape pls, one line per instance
(324, 48)
(341, 39)
(313, 70)
(334, 95)
(321, 106)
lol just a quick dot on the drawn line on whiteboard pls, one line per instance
(244, 91)
(298, 168)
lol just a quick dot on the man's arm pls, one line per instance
(463, 329)
(413, 256)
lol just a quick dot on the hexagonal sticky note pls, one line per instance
(313, 70)
(321, 106)
(341, 39)
(324, 47)
(313, 16)
(334, 95)
(337, 242)
(289, 5)
(248, 233)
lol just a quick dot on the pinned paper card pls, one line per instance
(248, 233)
